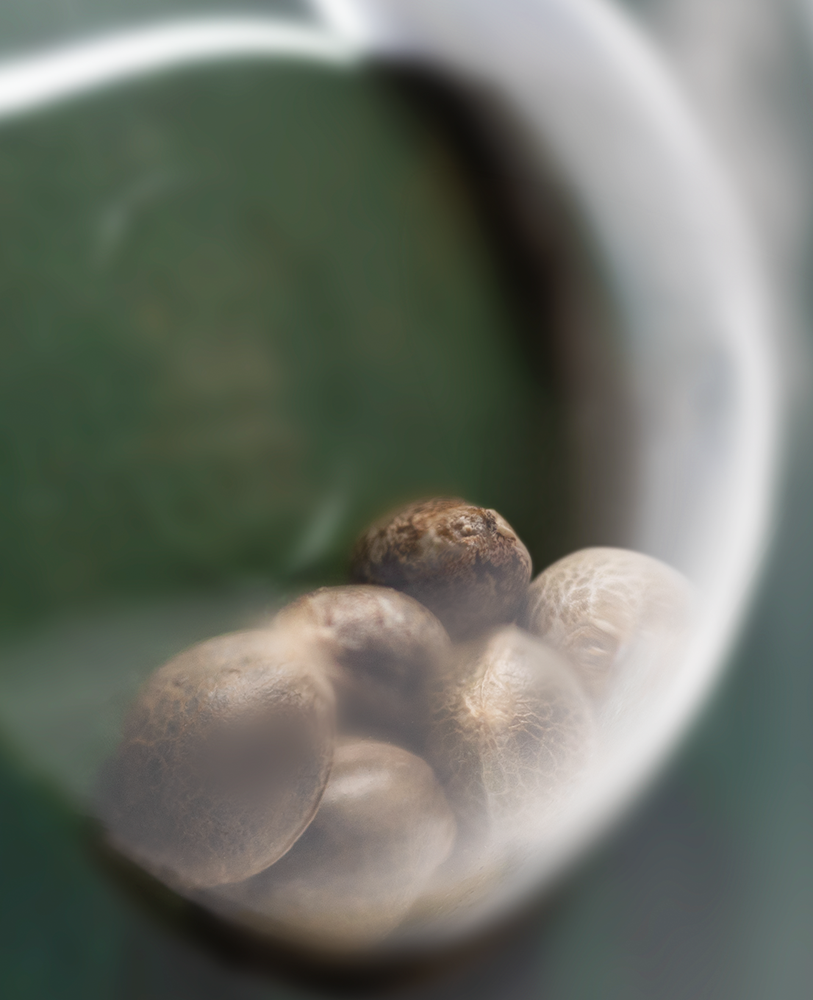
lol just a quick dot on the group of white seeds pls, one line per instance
(343, 771)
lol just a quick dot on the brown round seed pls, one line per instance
(465, 563)
(224, 758)
(614, 613)
(512, 731)
(385, 648)
(383, 828)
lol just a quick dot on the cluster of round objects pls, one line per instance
(355, 764)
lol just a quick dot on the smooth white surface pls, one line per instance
(68, 71)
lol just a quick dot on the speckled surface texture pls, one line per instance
(465, 563)
(597, 605)
(223, 761)
(511, 730)
(382, 829)
(385, 648)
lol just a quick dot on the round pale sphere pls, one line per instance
(223, 760)
(385, 649)
(512, 733)
(465, 563)
(621, 617)
(383, 828)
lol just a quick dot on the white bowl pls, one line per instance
(586, 93)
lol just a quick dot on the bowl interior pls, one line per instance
(247, 307)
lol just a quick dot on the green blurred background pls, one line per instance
(211, 278)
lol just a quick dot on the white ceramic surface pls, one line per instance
(693, 333)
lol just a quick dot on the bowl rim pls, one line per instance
(589, 87)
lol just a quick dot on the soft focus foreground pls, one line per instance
(232, 554)
(214, 385)
(227, 787)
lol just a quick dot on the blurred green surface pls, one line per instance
(243, 311)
